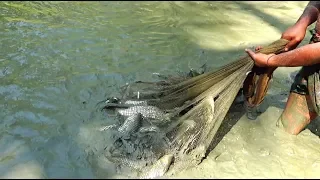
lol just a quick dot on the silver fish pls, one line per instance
(135, 102)
(146, 111)
(159, 168)
(104, 128)
(149, 129)
(131, 124)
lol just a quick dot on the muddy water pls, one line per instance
(58, 59)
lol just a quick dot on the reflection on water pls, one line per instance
(58, 59)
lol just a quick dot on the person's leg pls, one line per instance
(298, 112)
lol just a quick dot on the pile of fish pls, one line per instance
(138, 138)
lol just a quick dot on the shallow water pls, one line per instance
(58, 59)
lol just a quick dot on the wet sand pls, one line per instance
(257, 148)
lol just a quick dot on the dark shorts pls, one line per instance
(300, 84)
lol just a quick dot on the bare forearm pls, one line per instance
(315, 4)
(310, 14)
(304, 56)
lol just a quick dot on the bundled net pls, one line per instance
(187, 111)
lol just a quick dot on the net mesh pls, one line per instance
(193, 108)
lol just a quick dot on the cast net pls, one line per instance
(187, 111)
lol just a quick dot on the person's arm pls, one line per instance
(309, 15)
(296, 33)
(304, 56)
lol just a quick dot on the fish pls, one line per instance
(116, 103)
(131, 107)
(159, 168)
(131, 124)
(150, 112)
(136, 102)
(104, 128)
(148, 129)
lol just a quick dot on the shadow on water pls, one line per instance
(62, 58)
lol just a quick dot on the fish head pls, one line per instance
(112, 100)
(138, 116)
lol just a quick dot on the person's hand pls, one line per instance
(259, 59)
(294, 35)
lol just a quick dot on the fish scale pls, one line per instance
(146, 111)
(131, 124)
(134, 102)
(149, 129)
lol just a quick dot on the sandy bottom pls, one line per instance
(257, 148)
